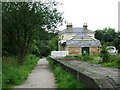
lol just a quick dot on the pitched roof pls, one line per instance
(76, 30)
(83, 43)
(81, 36)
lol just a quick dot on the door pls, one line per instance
(85, 50)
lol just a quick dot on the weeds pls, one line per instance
(112, 61)
(14, 73)
(65, 79)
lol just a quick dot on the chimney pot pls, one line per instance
(85, 27)
(69, 27)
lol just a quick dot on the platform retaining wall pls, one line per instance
(92, 80)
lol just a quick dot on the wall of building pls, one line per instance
(77, 50)
(94, 50)
(67, 36)
(74, 50)
(62, 48)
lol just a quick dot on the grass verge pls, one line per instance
(114, 60)
(65, 79)
(13, 73)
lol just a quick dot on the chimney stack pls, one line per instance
(85, 27)
(69, 27)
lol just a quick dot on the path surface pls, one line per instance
(107, 72)
(41, 77)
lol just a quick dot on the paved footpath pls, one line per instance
(41, 77)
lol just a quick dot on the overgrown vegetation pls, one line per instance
(79, 57)
(104, 54)
(0, 74)
(25, 27)
(13, 73)
(109, 37)
(113, 61)
(65, 79)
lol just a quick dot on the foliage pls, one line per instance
(13, 73)
(78, 57)
(113, 61)
(0, 74)
(53, 44)
(23, 22)
(104, 54)
(65, 79)
(108, 36)
(116, 42)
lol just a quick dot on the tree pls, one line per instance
(116, 42)
(104, 54)
(106, 35)
(23, 21)
(53, 44)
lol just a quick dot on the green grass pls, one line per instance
(14, 73)
(65, 79)
(0, 74)
(114, 60)
(79, 57)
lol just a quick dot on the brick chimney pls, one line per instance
(69, 27)
(85, 27)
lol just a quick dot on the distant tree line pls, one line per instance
(108, 36)
(25, 27)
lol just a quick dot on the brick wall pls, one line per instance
(94, 50)
(74, 50)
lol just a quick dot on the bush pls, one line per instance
(65, 79)
(86, 58)
(114, 61)
(104, 54)
(113, 58)
(15, 74)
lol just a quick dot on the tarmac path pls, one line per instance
(41, 77)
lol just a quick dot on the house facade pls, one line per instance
(78, 41)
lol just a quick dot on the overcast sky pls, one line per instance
(96, 13)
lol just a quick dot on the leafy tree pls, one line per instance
(105, 35)
(116, 42)
(23, 21)
(41, 42)
(104, 54)
(109, 37)
(53, 44)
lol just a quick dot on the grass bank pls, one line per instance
(114, 60)
(65, 79)
(0, 73)
(14, 73)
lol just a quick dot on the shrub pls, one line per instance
(15, 74)
(104, 54)
(87, 57)
(65, 79)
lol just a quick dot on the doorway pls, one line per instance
(85, 51)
